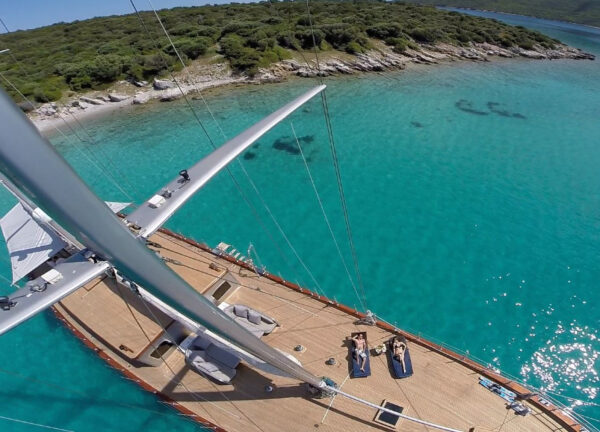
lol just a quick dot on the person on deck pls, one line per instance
(360, 346)
(398, 350)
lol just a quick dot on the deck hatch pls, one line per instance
(387, 418)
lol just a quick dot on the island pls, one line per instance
(89, 65)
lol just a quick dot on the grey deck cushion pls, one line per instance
(268, 320)
(253, 317)
(222, 356)
(240, 311)
(202, 362)
(254, 321)
(201, 343)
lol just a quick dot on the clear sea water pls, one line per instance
(473, 192)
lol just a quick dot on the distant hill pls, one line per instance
(578, 11)
(94, 53)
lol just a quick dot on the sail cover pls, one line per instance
(116, 207)
(29, 244)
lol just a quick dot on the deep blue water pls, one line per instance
(474, 196)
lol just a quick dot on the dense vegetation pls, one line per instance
(94, 53)
(579, 11)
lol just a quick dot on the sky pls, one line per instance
(27, 14)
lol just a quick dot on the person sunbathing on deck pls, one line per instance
(398, 350)
(360, 345)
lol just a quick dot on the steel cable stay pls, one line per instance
(94, 399)
(172, 340)
(337, 390)
(28, 423)
(240, 164)
(326, 219)
(106, 172)
(237, 185)
(178, 381)
(336, 165)
(88, 157)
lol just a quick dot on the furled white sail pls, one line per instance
(23, 150)
(152, 214)
(116, 207)
(29, 243)
(45, 290)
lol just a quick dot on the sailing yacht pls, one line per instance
(225, 342)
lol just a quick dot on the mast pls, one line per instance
(38, 214)
(30, 162)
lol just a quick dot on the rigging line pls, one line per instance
(312, 32)
(185, 67)
(333, 399)
(389, 411)
(167, 365)
(222, 278)
(103, 171)
(23, 72)
(171, 73)
(335, 242)
(280, 229)
(157, 321)
(237, 185)
(290, 33)
(241, 165)
(571, 399)
(4, 277)
(336, 166)
(52, 385)
(28, 423)
(112, 168)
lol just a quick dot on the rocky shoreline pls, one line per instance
(52, 115)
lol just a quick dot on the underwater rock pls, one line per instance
(467, 106)
(288, 144)
(493, 107)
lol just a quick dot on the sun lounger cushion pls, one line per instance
(356, 372)
(240, 311)
(222, 356)
(254, 317)
(201, 362)
(209, 367)
(268, 320)
(397, 366)
(252, 320)
(201, 343)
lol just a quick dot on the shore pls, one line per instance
(202, 76)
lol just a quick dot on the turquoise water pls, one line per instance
(474, 196)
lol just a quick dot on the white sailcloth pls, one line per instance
(29, 243)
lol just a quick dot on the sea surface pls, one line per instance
(473, 193)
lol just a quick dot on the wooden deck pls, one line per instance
(441, 390)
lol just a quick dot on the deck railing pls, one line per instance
(567, 410)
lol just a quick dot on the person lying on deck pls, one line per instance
(398, 350)
(360, 346)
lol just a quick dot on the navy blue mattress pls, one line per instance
(356, 372)
(397, 366)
